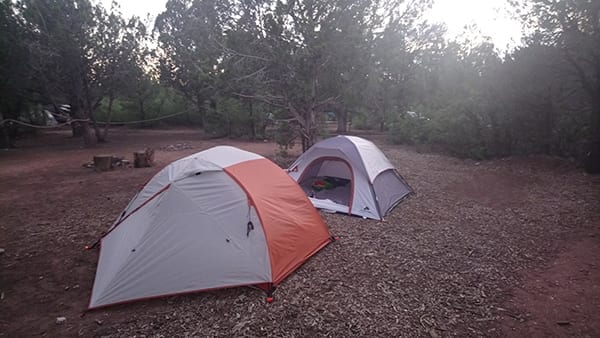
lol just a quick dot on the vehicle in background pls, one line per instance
(61, 112)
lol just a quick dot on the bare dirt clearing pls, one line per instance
(504, 247)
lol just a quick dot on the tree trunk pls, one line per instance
(592, 158)
(251, 115)
(9, 130)
(160, 106)
(213, 105)
(309, 132)
(500, 145)
(97, 131)
(548, 123)
(4, 132)
(342, 120)
(86, 132)
(229, 124)
(349, 121)
(76, 127)
(81, 128)
(142, 112)
(109, 116)
(592, 161)
(200, 105)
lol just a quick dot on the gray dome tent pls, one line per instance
(351, 175)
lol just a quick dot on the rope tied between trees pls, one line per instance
(89, 120)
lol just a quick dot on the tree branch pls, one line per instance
(238, 79)
(267, 99)
(234, 52)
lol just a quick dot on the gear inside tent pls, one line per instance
(349, 174)
(219, 218)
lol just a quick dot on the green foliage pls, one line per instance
(365, 121)
(285, 137)
(164, 102)
(453, 131)
(410, 130)
(190, 34)
(234, 66)
(15, 72)
(78, 53)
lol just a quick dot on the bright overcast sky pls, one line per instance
(490, 16)
(140, 8)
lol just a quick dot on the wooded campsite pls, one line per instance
(499, 144)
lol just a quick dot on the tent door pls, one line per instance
(329, 179)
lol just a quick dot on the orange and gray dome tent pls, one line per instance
(219, 218)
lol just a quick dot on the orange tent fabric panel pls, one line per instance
(293, 239)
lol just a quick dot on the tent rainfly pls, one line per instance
(351, 175)
(220, 218)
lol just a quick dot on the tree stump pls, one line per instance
(103, 162)
(143, 158)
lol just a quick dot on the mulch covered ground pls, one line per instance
(493, 248)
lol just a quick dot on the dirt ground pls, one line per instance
(494, 248)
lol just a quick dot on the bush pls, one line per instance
(165, 102)
(410, 130)
(455, 132)
(363, 121)
(232, 118)
(285, 136)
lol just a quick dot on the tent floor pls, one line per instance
(339, 194)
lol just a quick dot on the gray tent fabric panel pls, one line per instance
(346, 147)
(213, 159)
(389, 189)
(223, 155)
(217, 194)
(171, 173)
(332, 147)
(117, 244)
(196, 238)
(363, 204)
(373, 158)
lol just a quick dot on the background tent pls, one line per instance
(349, 174)
(220, 218)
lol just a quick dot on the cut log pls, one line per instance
(143, 158)
(103, 162)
